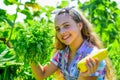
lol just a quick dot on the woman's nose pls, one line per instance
(62, 31)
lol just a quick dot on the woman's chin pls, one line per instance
(67, 43)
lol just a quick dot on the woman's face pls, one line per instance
(67, 29)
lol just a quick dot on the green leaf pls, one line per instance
(3, 53)
(2, 12)
(6, 33)
(11, 17)
(63, 4)
(101, 7)
(7, 2)
(4, 18)
(109, 47)
(2, 15)
(28, 14)
(3, 59)
(33, 1)
(10, 2)
(10, 22)
(113, 4)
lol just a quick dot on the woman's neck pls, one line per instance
(75, 45)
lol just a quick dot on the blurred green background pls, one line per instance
(28, 33)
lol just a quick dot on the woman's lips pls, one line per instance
(65, 37)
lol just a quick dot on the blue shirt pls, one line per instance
(71, 72)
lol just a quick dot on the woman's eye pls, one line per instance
(57, 29)
(66, 26)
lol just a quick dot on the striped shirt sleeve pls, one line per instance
(56, 58)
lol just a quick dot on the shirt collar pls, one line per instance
(84, 46)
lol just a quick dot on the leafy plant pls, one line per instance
(32, 40)
(7, 63)
(34, 43)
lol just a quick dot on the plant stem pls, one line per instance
(5, 77)
(14, 22)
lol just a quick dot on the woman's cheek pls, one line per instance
(59, 37)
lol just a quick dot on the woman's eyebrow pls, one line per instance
(65, 23)
(62, 24)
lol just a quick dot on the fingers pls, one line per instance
(92, 65)
(97, 61)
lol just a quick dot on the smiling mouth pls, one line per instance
(65, 37)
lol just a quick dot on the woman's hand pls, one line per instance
(92, 65)
(41, 72)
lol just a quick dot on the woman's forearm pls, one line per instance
(87, 78)
(81, 78)
(38, 71)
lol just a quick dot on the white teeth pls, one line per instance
(65, 37)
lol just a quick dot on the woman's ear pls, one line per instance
(80, 25)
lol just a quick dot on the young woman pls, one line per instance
(75, 40)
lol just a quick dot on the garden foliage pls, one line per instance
(33, 39)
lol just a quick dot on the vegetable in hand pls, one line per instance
(100, 54)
